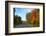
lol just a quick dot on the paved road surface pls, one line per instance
(23, 25)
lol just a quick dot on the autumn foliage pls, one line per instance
(33, 17)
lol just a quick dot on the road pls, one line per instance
(23, 25)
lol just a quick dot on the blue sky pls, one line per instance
(22, 12)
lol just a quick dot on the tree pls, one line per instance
(17, 20)
(28, 17)
(33, 17)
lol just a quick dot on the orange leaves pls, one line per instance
(33, 17)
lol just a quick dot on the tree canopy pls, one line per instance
(17, 20)
(33, 17)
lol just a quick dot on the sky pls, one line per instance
(22, 12)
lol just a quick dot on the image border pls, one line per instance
(6, 18)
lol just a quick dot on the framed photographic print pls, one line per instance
(24, 17)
